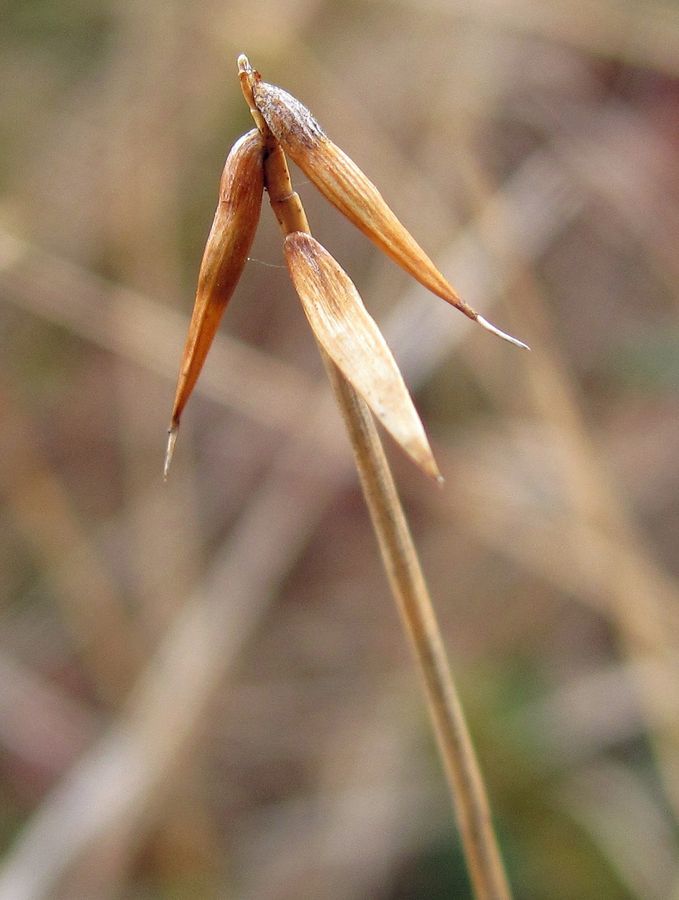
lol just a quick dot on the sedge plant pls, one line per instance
(365, 379)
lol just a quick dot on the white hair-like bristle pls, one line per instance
(484, 323)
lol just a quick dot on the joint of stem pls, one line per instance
(290, 213)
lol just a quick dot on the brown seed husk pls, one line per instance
(347, 187)
(225, 255)
(353, 341)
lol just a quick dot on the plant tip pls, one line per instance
(430, 468)
(171, 441)
(484, 323)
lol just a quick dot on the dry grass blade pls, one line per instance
(346, 186)
(351, 338)
(226, 251)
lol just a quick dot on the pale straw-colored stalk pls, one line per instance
(419, 618)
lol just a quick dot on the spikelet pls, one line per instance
(225, 255)
(355, 344)
(347, 187)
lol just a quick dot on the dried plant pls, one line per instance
(363, 374)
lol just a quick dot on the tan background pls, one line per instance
(205, 691)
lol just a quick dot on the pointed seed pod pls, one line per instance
(346, 186)
(225, 255)
(355, 344)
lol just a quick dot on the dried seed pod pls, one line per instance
(347, 187)
(353, 341)
(225, 255)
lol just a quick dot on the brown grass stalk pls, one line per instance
(419, 619)
(405, 576)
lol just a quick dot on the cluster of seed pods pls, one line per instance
(333, 306)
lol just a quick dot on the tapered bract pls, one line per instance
(347, 187)
(355, 344)
(226, 251)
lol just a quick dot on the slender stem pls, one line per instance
(412, 596)
(402, 566)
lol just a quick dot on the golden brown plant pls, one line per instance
(363, 374)
(226, 252)
(351, 191)
(284, 125)
(349, 335)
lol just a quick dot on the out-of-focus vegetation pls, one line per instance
(205, 689)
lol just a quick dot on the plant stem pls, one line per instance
(412, 596)
(403, 570)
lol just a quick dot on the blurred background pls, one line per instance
(206, 691)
